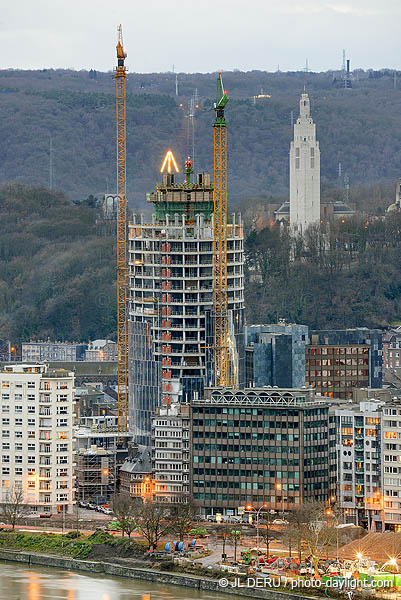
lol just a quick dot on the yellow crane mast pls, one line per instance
(122, 261)
(221, 359)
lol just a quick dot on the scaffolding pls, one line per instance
(95, 475)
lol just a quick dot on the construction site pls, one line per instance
(179, 280)
(180, 296)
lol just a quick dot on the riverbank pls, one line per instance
(115, 570)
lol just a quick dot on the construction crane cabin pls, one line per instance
(122, 263)
(221, 360)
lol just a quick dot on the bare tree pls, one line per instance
(126, 509)
(311, 527)
(183, 516)
(13, 508)
(152, 521)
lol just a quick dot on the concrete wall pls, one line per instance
(159, 577)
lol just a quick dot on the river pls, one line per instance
(25, 583)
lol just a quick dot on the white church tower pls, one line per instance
(304, 171)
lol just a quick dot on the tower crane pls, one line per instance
(122, 262)
(221, 359)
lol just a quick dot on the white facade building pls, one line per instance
(304, 171)
(36, 436)
(170, 453)
(391, 449)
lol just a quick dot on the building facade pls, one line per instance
(171, 299)
(52, 351)
(304, 171)
(359, 458)
(170, 453)
(339, 361)
(261, 447)
(392, 349)
(101, 351)
(37, 436)
(275, 355)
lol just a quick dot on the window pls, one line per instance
(18, 470)
(5, 446)
(31, 410)
(5, 458)
(5, 433)
(18, 447)
(18, 422)
(5, 421)
(18, 409)
(62, 422)
(31, 484)
(18, 458)
(31, 472)
(5, 470)
(31, 434)
(5, 483)
(5, 408)
(31, 422)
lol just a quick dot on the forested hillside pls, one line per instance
(361, 128)
(57, 270)
(57, 267)
(347, 275)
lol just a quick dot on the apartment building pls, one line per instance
(52, 352)
(170, 453)
(273, 447)
(390, 499)
(36, 436)
(359, 461)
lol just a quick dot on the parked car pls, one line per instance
(280, 522)
(83, 504)
(91, 506)
(107, 511)
(211, 518)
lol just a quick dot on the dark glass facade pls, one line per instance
(260, 448)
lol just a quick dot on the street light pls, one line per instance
(249, 507)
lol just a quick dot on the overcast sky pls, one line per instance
(201, 35)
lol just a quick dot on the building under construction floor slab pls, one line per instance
(172, 298)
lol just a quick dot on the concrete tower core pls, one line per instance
(171, 299)
(304, 171)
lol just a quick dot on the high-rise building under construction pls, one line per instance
(171, 298)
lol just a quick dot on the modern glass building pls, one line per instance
(261, 447)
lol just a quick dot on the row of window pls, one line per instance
(32, 422)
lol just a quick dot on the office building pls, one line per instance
(275, 355)
(339, 361)
(261, 446)
(36, 436)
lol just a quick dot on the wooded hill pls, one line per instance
(361, 128)
(57, 270)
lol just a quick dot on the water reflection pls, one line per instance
(19, 583)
